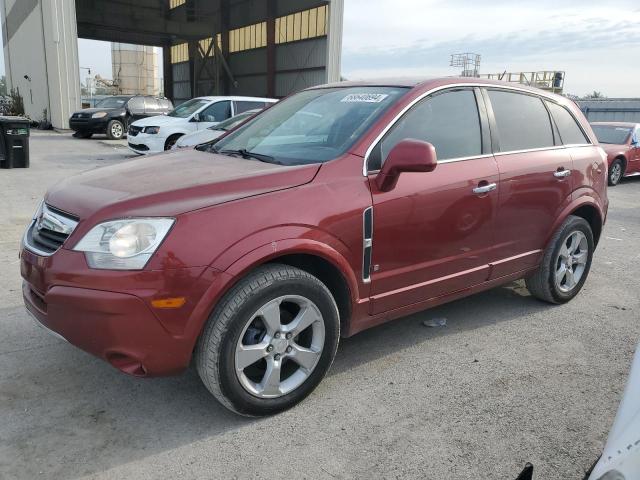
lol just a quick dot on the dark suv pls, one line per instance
(114, 114)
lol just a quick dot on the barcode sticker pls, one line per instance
(364, 98)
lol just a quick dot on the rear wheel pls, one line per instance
(115, 130)
(270, 341)
(565, 264)
(616, 171)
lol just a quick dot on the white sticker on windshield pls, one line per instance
(364, 98)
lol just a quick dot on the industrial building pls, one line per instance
(611, 109)
(240, 47)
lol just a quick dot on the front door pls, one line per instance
(214, 114)
(433, 231)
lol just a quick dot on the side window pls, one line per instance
(570, 131)
(217, 112)
(522, 120)
(242, 106)
(450, 121)
(636, 136)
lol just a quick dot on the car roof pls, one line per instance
(237, 98)
(427, 82)
(617, 124)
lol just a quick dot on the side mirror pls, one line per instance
(196, 117)
(407, 156)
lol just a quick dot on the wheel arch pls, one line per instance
(623, 158)
(591, 214)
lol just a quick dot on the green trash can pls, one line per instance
(14, 142)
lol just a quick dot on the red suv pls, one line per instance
(621, 141)
(337, 209)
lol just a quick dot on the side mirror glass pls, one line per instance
(407, 156)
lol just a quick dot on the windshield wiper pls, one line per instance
(244, 153)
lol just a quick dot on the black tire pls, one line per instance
(83, 134)
(171, 141)
(215, 352)
(115, 130)
(542, 284)
(616, 172)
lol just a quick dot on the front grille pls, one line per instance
(142, 148)
(49, 230)
(81, 115)
(133, 131)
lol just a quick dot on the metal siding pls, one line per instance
(253, 86)
(611, 110)
(247, 12)
(302, 54)
(287, 83)
(248, 61)
(285, 7)
(181, 72)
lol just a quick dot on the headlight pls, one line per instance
(99, 115)
(152, 130)
(124, 244)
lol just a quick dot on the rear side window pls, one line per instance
(450, 121)
(522, 120)
(242, 106)
(570, 131)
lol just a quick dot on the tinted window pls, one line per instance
(569, 130)
(112, 102)
(217, 112)
(522, 121)
(244, 106)
(450, 121)
(611, 134)
(188, 108)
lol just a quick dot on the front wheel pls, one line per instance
(565, 264)
(616, 171)
(115, 130)
(270, 341)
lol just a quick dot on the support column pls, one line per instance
(41, 54)
(167, 68)
(271, 48)
(334, 41)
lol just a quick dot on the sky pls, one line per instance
(597, 43)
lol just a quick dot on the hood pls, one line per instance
(199, 137)
(94, 110)
(159, 121)
(171, 183)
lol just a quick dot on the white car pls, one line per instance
(160, 133)
(211, 133)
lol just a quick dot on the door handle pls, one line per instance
(562, 173)
(490, 187)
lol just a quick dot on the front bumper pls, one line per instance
(146, 144)
(109, 314)
(93, 125)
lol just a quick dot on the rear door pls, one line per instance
(432, 233)
(241, 106)
(535, 178)
(634, 163)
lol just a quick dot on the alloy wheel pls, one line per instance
(616, 172)
(572, 261)
(116, 130)
(280, 346)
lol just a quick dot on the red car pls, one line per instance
(337, 209)
(621, 141)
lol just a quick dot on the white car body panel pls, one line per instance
(622, 451)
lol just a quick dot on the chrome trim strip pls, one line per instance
(453, 87)
(367, 243)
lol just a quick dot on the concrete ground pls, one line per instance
(508, 380)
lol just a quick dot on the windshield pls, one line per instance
(187, 109)
(233, 121)
(112, 102)
(612, 134)
(312, 126)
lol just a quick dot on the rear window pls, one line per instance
(570, 131)
(243, 106)
(522, 120)
(611, 134)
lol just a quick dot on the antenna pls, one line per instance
(470, 63)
